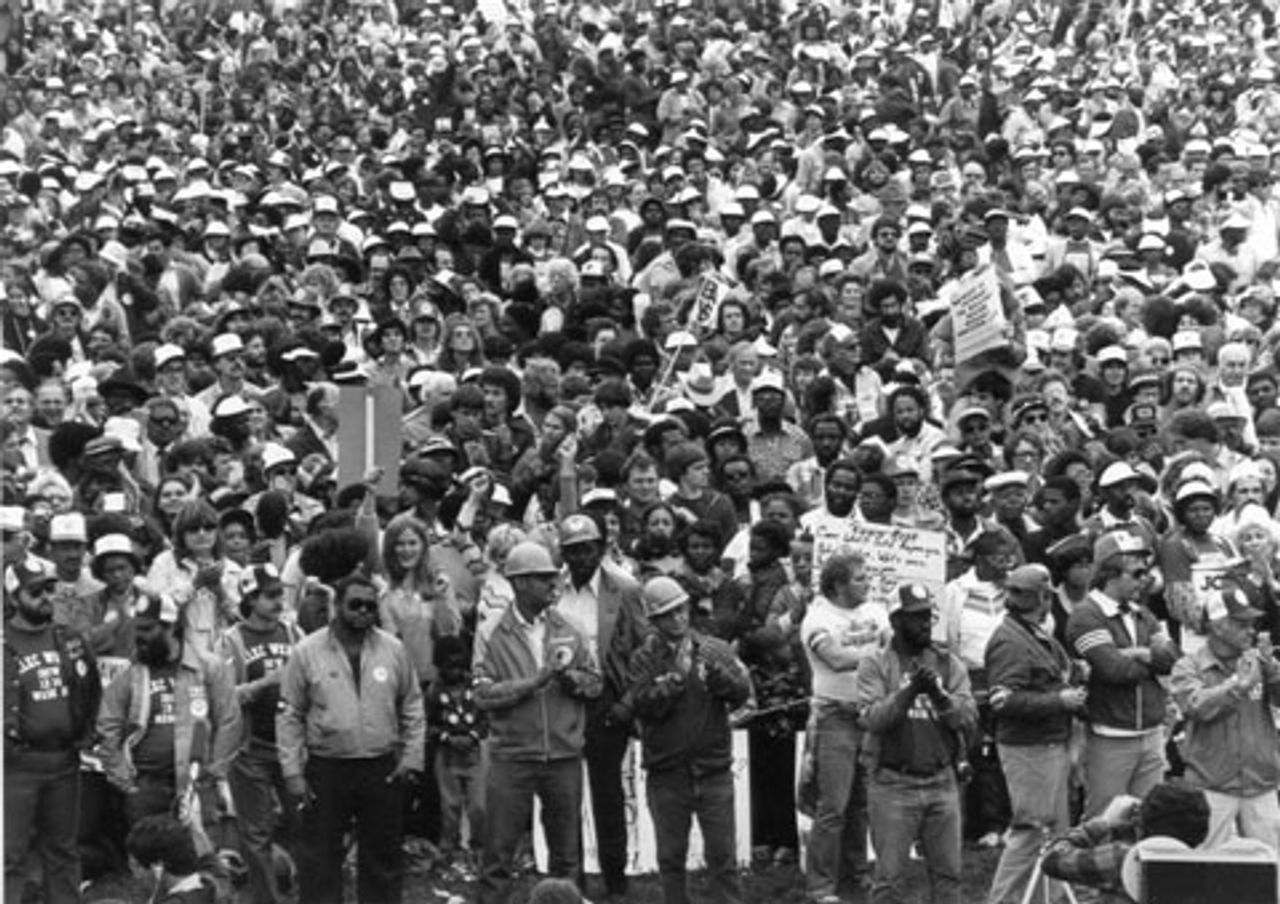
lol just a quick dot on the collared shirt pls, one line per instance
(534, 634)
(29, 448)
(581, 606)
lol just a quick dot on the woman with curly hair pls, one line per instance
(461, 348)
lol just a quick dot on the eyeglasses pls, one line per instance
(1138, 574)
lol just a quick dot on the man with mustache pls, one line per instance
(352, 733)
(257, 650)
(51, 694)
(173, 706)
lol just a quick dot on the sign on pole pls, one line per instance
(369, 421)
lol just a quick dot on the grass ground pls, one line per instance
(771, 885)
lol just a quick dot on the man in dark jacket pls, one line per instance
(685, 685)
(1127, 650)
(1029, 676)
(51, 694)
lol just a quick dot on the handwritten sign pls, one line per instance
(369, 425)
(706, 303)
(894, 555)
(977, 315)
(1208, 580)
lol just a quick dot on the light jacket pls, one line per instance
(323, 712)
(1232, 745)
(550, 723)
(204, 694)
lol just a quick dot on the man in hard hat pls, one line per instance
(604, 605)
(685, 684)
(534, 673)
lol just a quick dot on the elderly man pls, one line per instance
(1033, 701)
(1127, 650)
(1227, 690)
(916, 707)
(534, 674)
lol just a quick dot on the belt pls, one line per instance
(917, 773)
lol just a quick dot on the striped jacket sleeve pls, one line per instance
(1090, 638)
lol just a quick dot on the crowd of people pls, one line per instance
(664, 292)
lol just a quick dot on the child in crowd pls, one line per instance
(457, 730)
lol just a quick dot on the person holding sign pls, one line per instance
(1227, 689)
(1192, 550)
(51, 694)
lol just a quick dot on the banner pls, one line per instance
(977, 317)
(369, 422)
(894, 555)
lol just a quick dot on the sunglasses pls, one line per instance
(43, 590)
(164, 421)
(1138, 574)
(362, 605)
(202, 527)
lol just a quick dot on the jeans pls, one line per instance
(347, 790)
(1115, 766)
(1247, 817)
(460, 778)
(773, 789)
(907, 808)
(1038, 776)
(606, 747)
(837, 855)
(675, 797)
(256, 784)
(42, 810)
(509, 793)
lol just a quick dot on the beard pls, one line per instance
(37, 616)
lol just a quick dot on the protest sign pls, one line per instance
(977, 316)
(711, 292)
(369, 420)
(1208, 580)
(894, 555)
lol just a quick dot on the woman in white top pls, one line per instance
(197, 575)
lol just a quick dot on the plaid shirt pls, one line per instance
(1091, 854)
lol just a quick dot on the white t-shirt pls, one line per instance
(866, 627)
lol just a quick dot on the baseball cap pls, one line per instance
(579, 529)
(225, 344)
(1118, 543)
(260, 579)
(912, 598)
(169, 352)
(29, 574)
(1230, 604)
(1117, 473)
(68, 528)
